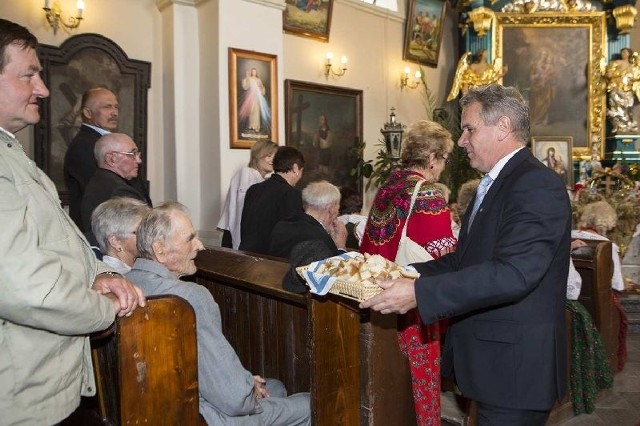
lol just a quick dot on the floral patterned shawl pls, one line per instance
(430, 226)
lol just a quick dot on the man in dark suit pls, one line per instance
(99, 117)
(505, 287)
(273, 200)
(319, 223)
(118, 159)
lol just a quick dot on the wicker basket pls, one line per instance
(357, 290)
(353, 290)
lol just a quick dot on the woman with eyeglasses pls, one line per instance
(114, 224)
(426, 220)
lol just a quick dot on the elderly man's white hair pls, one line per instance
(109, 143)
(157, 225)
(319, 195)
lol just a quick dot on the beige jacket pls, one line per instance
(46, 304)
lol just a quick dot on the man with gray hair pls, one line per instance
(118, 159)
(505, 286)
(314, 235)
(100, 113)
(229, 394)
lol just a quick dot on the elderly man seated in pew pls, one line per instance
(314, 235)
(229, 394)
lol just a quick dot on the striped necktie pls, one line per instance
(482, 190)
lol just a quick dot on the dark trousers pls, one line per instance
(490, 415)
(226, 239)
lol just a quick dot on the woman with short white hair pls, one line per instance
(114, 224)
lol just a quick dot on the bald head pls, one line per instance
(119, 153)
(100, 108)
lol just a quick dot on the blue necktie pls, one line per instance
(482, 190)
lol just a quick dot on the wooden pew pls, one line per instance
(595, 265)
(147, 368)
(349, 360)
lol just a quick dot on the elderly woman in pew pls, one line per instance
(315, 235)
(596, 220)
(114, 225)
(229, 394)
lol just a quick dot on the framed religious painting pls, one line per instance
(554, 60)
(80, 63)
(325, 124)
(253, 97)
(423, 31)
(555, 152)
(308, 18)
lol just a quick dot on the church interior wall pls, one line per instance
(189, 157)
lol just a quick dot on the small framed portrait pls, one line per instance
(308, 18)
(555, 153)
(423, 31)
(253, 97)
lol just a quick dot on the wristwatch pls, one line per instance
(111, 274)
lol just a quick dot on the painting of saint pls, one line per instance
(549, 67)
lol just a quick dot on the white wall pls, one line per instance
(372, 39)
(187, 42)
(247, 25)
(136, 27)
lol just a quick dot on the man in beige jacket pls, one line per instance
(54, 291)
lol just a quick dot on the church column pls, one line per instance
(181, 117)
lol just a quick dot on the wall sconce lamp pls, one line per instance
(405, 82)
(54, 16)
(328, 67)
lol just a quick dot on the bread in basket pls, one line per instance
(352, 275)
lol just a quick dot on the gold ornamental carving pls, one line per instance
(625, 18)
(481, 17)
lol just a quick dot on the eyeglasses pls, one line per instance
(132, 154)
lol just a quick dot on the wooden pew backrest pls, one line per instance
(595, 266)
(159, 364)
(147, 373)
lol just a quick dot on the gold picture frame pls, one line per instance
(253, 97)
(555, 152)
(423, 31)
(572, 45)
(311, 19)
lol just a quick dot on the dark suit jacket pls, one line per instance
(265, 204)
(505, 289)
(79, 167)
(302, 241)
(103, 186)
(287, 233)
